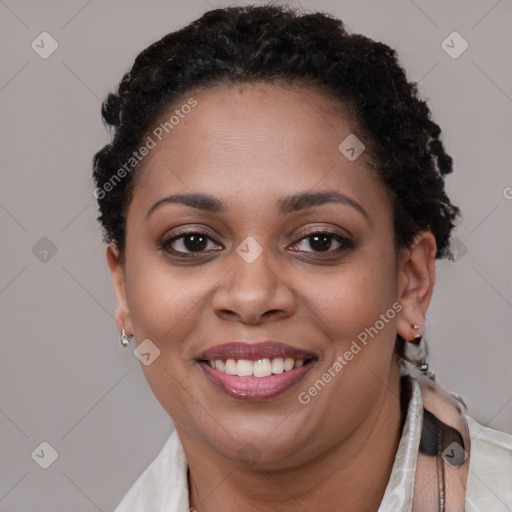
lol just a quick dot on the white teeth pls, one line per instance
(277, 365)
(230, 367)
(260, 368)
(244, 368)
(288, 364)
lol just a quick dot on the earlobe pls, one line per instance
(116, 267)
(416, 285)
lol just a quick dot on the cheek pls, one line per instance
(357, 310)
(353, 299)
(166, 305)
(164, 301)
(164, 310)
(362, 348)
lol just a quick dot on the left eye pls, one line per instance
(321, 241)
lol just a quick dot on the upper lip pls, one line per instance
(252, 351)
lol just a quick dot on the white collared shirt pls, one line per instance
(163, 486)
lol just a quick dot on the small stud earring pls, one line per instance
(416, 327)
(125, 338)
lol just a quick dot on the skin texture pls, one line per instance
(249, 145)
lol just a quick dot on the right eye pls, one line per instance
(188, 244)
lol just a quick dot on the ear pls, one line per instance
(116, 266)
(416, 285)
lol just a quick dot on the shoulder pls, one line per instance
(162, 487)
(489, 485)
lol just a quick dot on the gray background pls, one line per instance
(64, 377)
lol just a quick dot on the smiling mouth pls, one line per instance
(260, 368)
(256, 380)
(255, 371)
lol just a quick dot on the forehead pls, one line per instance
(259, 138)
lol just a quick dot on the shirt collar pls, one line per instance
(399, 493)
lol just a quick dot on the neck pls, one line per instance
(352, 476)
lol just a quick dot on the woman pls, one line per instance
(273, 202)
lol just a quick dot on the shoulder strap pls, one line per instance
(443, 458)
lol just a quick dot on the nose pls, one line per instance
(252, 293)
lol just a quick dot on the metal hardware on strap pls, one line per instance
(443, 460)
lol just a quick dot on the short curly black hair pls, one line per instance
(269, 43)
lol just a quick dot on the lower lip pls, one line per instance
(256, 388)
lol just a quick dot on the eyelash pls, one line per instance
(345, 243)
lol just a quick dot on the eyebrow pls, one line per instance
(288, 204)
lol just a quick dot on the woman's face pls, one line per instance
(253, 271)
